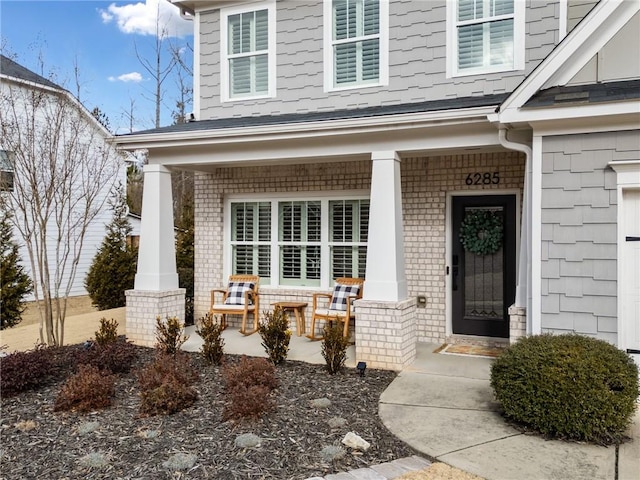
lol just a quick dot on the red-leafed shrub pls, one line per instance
(166, 384)
(23, 371)
(249, 385)
(87, 390)
(117, 356)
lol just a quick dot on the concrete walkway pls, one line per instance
(442, 405)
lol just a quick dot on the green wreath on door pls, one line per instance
(481, 232)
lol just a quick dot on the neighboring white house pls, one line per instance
(389, 140)
(30, 105)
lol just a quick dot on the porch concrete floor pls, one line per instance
(300, 348)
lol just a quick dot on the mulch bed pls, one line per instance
(37, 442)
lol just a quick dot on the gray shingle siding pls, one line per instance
(417, 60)
(579, 231)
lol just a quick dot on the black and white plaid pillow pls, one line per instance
(340, 295)
(235, 295)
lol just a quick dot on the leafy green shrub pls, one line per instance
(166, 384)
(108, 331)
(210, 330)
(249, 385)
(117, 356)
(87, 390)
(567, 386)
(170, 335)
(334, 348)
(275, 333)
(22, 371)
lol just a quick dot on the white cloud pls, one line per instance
(127, 77)
(145, 18)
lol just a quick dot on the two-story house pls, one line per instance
(476, 161)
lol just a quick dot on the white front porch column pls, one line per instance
(156, 292)
(157, 257)
(385, 318)
(386, 279)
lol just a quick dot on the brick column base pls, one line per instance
(517, 323)
(143, 307)
(386, 333)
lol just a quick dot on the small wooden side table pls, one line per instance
(298, 310)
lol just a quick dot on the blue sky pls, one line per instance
(101, 37)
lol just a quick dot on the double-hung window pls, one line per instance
(251, 238)
(485, 36)
(299, 242)
(248, 52)
(356, 43)
(296, 242)
(349, 225)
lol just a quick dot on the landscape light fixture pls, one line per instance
(361, 367)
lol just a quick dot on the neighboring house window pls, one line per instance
(356, 43)
(6, 171)
(248, 52)
(310, 243)
(485, 36)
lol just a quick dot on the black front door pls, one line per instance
(483, 264)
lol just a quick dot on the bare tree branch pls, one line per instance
(63, 172)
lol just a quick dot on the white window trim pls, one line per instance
(225, 13)
(275, 198)
(519, 8)
(383, 78)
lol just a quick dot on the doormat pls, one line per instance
(477, 350)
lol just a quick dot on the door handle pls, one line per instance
(632, 239)
(454, 279)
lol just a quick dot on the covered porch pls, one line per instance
(406, 167)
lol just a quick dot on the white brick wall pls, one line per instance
(143, 307)
(425, 184)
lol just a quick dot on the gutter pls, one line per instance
(523, 286)
(304, 129)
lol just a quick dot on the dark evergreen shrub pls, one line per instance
(275, 333)
(15, 284)
(87, 390)
(185, 257)
(334, 347)
(166, 384)
(113, 268)
(210, 330)
(567, 386)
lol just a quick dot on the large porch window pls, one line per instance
(296, 242)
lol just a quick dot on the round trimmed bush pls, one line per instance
(567, 386)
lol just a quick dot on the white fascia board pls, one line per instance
(584, 41)
(554, 113)
(304, 129)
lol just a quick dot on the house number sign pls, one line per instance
(483, 178)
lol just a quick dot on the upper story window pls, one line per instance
(356, 43)
(299, 242)
(484, 36)
(248, 51)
